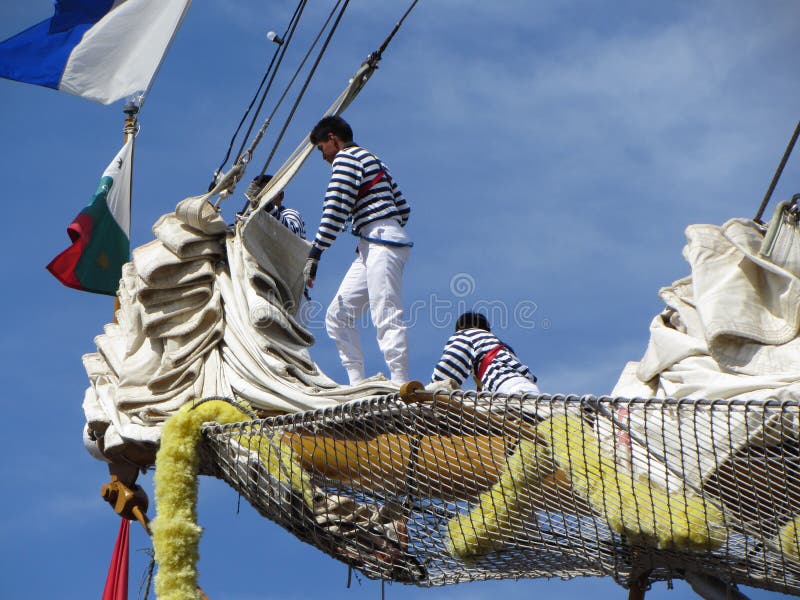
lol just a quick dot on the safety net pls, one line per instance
(448, 487)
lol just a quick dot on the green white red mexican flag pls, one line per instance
(100, 234)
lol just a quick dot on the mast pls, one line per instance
(129, 130)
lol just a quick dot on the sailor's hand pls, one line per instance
(447, 385)
(310, 268)
(255, 187)
(310, 271)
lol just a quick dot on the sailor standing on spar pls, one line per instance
(362, 189)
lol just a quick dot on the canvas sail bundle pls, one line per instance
(200, 316)
(209, 310)
(730, 331)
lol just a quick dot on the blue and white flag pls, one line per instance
(103, 50)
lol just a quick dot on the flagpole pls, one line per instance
(122, 492)
(131, 109)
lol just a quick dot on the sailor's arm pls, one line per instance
(456, 360)
(400, 202)
(340, 199)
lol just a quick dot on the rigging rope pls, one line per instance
(295, 160)
(289, 85)
(280, 51)
(395, 30)
(284, 46)
(373, 59)
(307, 82)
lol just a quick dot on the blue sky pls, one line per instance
(553, 153)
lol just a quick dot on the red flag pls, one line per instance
(117, 580)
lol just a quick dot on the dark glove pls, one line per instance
(310, 271)
(256, 186)
(310, 268)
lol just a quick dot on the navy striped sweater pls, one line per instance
(463, 353)
(354, 168)
(291, 219)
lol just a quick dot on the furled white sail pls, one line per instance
(729, 331)
(206, 314)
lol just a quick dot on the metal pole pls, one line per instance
(131, 109)
(777, 175)
(712, 588)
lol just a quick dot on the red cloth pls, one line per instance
(364, 189)
(487, 359)
(117, 580)
(63, 266)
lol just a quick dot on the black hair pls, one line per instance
(472, 320)
(332, 124)
(262, 180)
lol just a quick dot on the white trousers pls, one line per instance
(374, 280)
(518, 385)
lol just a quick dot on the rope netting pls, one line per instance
(462, 486)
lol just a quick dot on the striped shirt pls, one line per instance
(353, 169)
(463, 353)
(291, 219)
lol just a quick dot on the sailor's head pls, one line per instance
(258, 183)
(472, 320)
(331, 135)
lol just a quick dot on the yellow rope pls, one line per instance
(278, 459)
(637, 508)
(176, 534)
(787, 539)
(501, 508)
